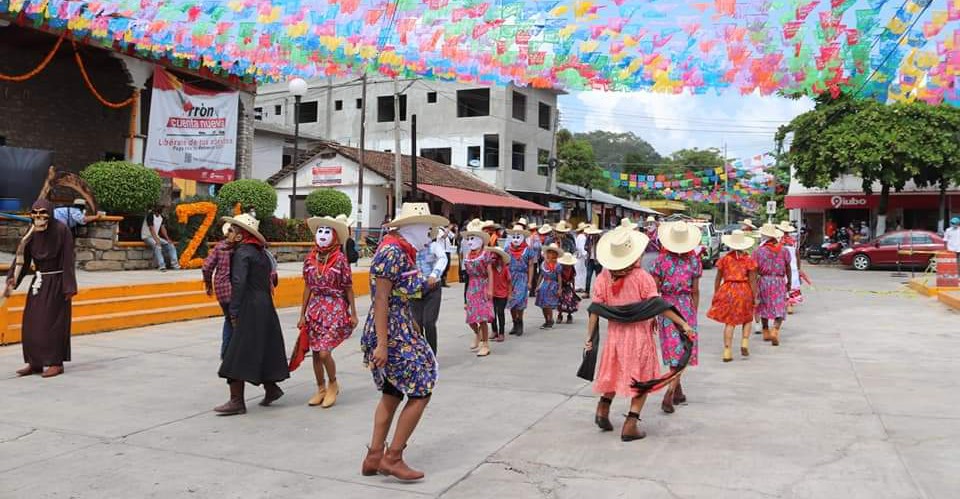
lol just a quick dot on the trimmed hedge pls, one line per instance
(123, 188)
(248, 192)
(328, 203)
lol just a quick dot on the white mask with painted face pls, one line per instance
(418, 235)
(516, 239)
(473, 242)
(324, 236)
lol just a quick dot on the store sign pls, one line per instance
(854, 202)
(326, 175)
(193, 131)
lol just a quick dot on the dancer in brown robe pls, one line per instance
(46, 317)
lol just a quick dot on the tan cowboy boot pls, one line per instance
(371, 463)
(317, 398)
(330, 398)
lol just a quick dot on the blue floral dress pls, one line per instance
(519, 277)
(676, 274)
(548, 293)
(411, 366)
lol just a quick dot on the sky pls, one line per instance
(745, 123)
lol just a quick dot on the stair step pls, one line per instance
(130, 319)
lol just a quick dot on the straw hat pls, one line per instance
(490, 224)
(748, 223)
(503, 254)
(563, 227)
(785, 226)
(518, 229)
(416, 213)
(592, 230)
(522, 221)
(248, 223)
(738, 240)
(582, 226)
(545, 229)
(619, 249)
(226, 228)
(771, 231)
(626, 224)
(338, 226)
(567, 259)
(679, 237)
(651, 219)
(347, 220)
(552, 247)
(532, 226)
(475, 228)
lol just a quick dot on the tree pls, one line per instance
(932, 143)
(623, 151)
(577, 164)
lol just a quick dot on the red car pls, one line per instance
(910, 248)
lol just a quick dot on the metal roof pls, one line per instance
(604, 197)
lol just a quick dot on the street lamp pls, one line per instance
(297, 88)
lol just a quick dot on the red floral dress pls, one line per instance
(733, 302)
(328, 313)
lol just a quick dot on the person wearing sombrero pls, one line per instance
(399, 357)
(255, 353)
(773, 282)
(789, 241)
(565, 237)
(479, 298)
(548, 289)
(735, 289)
(569, 300)
(677, 271)
(630, 352)
(328, 314)
(216, 282)
(500, 268)
(523, 262)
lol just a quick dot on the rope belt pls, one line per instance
(38, 280)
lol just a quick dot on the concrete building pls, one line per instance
(502, 135)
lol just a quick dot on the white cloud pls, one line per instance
(746, 123)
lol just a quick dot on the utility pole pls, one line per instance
(397, 157)
(363, 145)
(413, 158)
(726, 188)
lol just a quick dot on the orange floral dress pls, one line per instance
(733, 302)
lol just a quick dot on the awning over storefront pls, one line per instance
(915, 201)
(598, 196)
(472, 198)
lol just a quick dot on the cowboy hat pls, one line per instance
(226, 228)
(592, 230)
(552, 247)
(545, 229)
(679, 237)
(771, 231)
(651, 218)
(347, 220)
(248, 223)
(748, 223)
(338, 226)
(787, 227)
(737, 240)
(522, 221)
(518, 229)
(490, 224)
(503, 254)
(475, 228)
(567, 259)
(619, 249)
(562, 227)
(582, 226)
(416, 213)
(626, 224)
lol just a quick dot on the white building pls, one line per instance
(502, 135)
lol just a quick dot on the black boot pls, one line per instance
(236, 404)
(271, 392)
(520, 327)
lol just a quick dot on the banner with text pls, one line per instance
(193, 131)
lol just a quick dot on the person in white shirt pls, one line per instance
(952, 238)
(445, 238)
(154, 233)
(580, 280)
(431, 260)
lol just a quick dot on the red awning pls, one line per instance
(863, 201)
(463, 196)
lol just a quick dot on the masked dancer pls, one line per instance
(773, 282)
(523, 261)
(479, 306)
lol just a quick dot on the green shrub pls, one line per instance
(285, 230)
(123, 188)
(328, 203)
(182, 233)
(248, 192)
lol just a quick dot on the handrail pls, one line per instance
(18, 218)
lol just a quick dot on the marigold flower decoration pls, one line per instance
(184, 212)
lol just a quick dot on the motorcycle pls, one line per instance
(828, 252)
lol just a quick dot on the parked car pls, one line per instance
(909, 248)
(709, 242)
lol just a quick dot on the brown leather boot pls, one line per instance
(631, 430)
(602, 418)
(236, 404)
(392, 465)
(371, 463)
(766, 334)
(775, 336)
(678, 396)
(667, 404)
(52, 371)
(271, 392)
(27, 370)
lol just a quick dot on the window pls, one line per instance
(258, 113)
(891, 240)
(920, 238)
(473, 102)
(277, 110)
(491, 151)
(439, 154)
(543, 157)
(544, 116)
(359, 103)
(385, 108)
(473, 156)
(519, 106)
(338, 105)
(308, 112)
(431, 97)
(519, 156)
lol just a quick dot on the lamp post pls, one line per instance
(297, 88)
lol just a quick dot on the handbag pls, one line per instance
(588, 366)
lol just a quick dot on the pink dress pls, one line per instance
(630, 352)
(328, 312)
(479, 306)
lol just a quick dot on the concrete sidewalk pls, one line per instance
(856, 402)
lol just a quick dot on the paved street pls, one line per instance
(857, 402)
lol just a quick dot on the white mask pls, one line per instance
(474, 242)
(516, 239)
(418, 235)
(324, 236)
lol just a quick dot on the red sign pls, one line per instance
(863, 201)
(327, 175)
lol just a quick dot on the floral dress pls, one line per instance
(773, 265)
(519, 266)
(569, 300)
(328, 313)
(411, 366)
(548, 293)
(479, 305)
(733, 302)
(676, 274)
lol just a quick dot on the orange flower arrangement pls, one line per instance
(184, 212)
